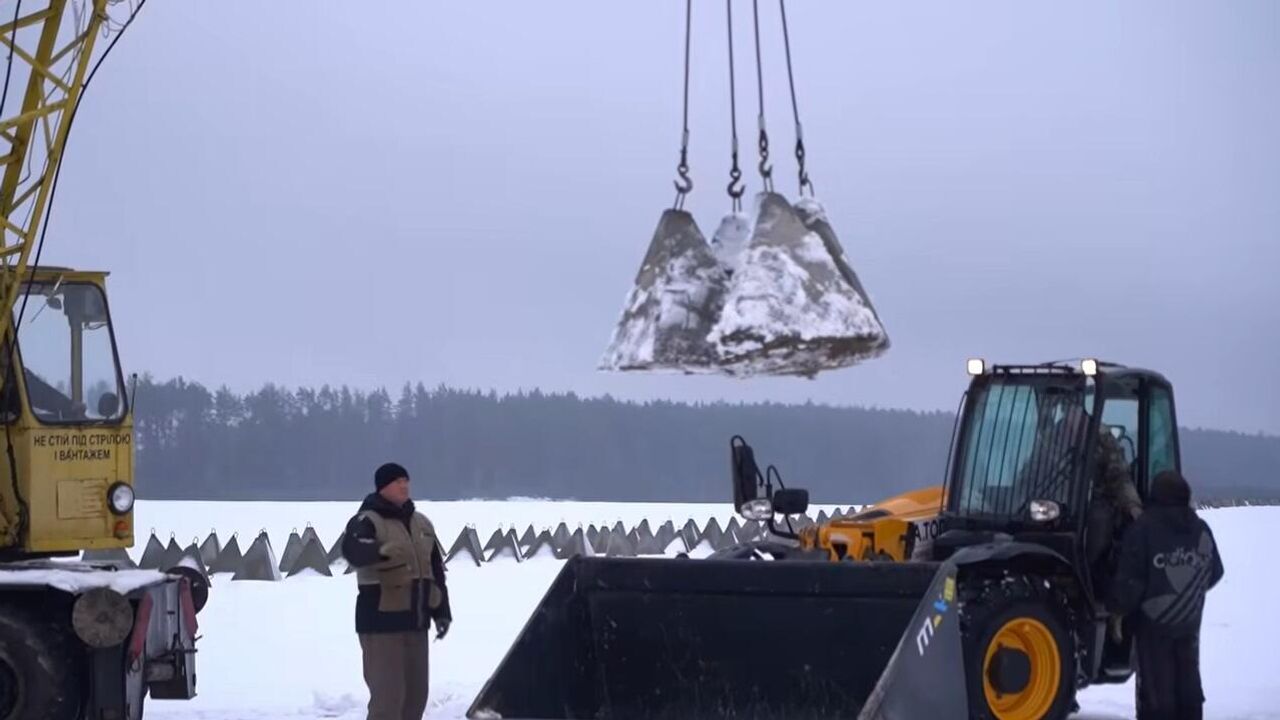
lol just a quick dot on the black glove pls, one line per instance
(442, 628)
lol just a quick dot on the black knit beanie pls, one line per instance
(387, 474)
(1169, 488)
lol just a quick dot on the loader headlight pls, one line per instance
(120, 498)
(1044, 510)
(976, 366)
(758, 509)
(1089, 367)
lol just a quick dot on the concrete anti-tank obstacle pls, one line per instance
(259, 561)
(507, 549)
(822, 517)
(645, 542)
(577, 545)
(335, 552)
(191, 558)
(691, 535)
(292, 549)
(210, 548)
(312, 558)
(172, 554)
(666, 533)
(309, 533)
(618, 545)
(494, 540)
(117, 557)
(543, 545)
(152, 554)
(467, 544)
(527, 538)
(734, 529)
(713, 534)
(561, 535)
(229, 559)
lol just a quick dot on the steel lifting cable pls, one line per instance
(766, 171)
(735, 188)
(685, 183)
(805, 182)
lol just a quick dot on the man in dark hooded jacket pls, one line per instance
(400, 573)
(1168, 562)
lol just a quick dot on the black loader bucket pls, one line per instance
(681, 638)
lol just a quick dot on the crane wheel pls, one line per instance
(39, 672)
(1019, 661)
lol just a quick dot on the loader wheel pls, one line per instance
(1019, 662)
(39, 674)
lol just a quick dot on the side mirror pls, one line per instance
(791, 501)
(108, 405)
(746, 474)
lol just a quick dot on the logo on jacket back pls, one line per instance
(1187, 572)
(1181, 557)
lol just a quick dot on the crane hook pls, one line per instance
(735, 187)
(685, 183)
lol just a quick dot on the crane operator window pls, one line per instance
(68, 354)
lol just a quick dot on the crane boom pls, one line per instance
(50, 47)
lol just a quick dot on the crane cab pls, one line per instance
(66, 473)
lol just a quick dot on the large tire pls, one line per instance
(1019, 655)
(39, 671)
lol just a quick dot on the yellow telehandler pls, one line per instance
(981, 598)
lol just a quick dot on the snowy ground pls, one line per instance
(288, 650)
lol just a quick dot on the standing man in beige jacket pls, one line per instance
(400, 572)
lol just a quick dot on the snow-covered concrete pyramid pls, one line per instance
(733, 528)
(335, 550)
(690, 534)
(543, 546)
(466, 545)
(790, 308)
(713, 534)
(618, 544)
(561, 534)
(508, 548)
(875, 341)
(172, 554)
(645, 541)
(526, 538)
(259, 561)
(152, 554)
(677, 298)
(292, 549)
(495, 540)
(229, 559)
(576, 545)
(311, 560)
(210, 548)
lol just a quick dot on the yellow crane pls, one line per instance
(77, 639)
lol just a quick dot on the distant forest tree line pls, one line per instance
(323, 444)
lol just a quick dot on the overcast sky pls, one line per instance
(369, 193)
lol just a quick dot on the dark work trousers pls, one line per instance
(1168, 685)
(395, 669)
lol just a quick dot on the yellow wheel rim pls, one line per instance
(1032, 638)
